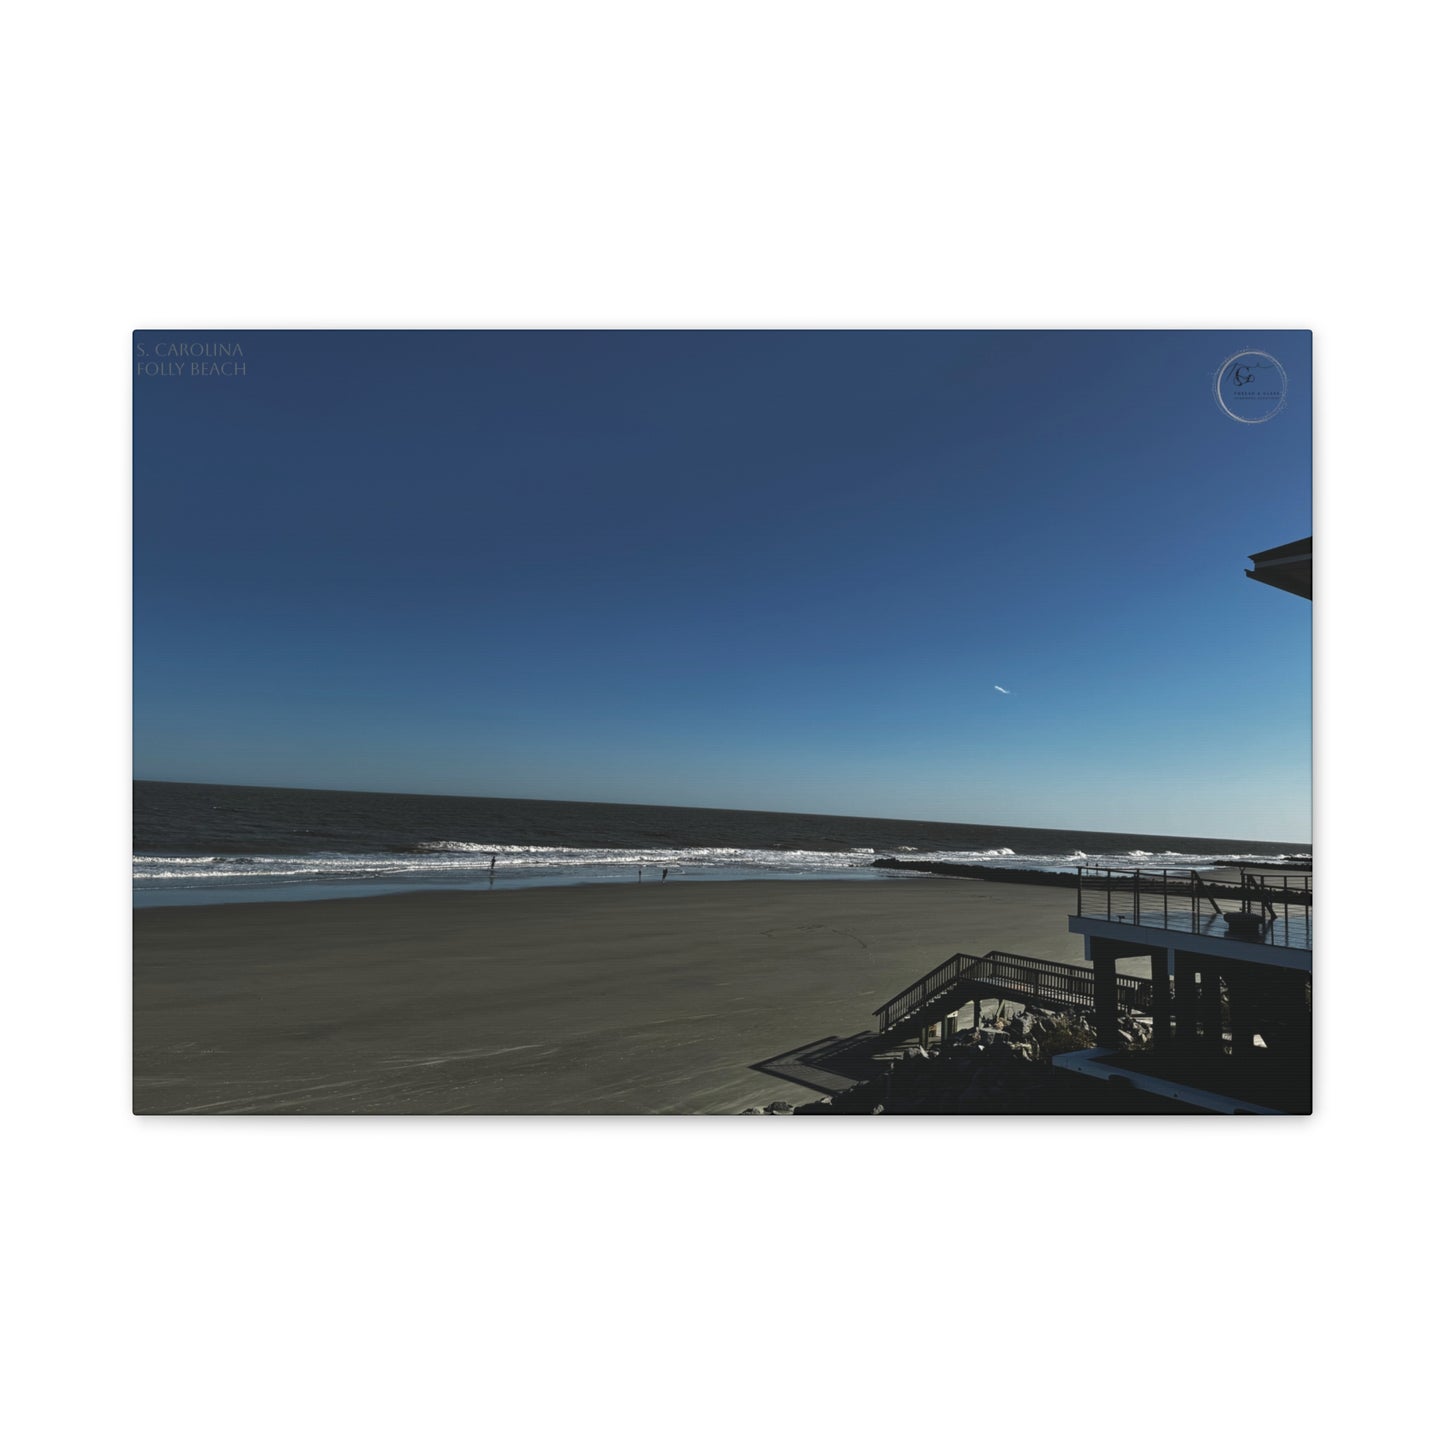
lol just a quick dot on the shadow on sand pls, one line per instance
(828, 1065)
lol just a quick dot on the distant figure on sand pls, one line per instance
(664, 875)
(492, 871)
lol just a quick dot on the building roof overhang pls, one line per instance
(1290, 568)
(1175, 940)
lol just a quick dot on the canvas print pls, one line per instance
(730, 722)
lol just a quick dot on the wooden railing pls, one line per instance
(1040, 980)
(1063, 983)
(916, 994)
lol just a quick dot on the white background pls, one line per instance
(720, 1279)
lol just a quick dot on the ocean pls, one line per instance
(207, 843)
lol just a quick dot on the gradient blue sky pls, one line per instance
(777, 570)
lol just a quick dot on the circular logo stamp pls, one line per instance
(1250, 386)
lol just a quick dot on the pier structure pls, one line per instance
(1230, 962)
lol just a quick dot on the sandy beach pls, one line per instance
(585, 1000)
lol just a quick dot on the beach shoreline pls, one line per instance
(591, 999)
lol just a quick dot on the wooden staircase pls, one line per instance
(966, 978)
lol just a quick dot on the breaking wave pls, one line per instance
(448, 863)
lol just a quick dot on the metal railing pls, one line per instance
(1258, 907)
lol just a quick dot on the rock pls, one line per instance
(755, 1110)
(779, 1107)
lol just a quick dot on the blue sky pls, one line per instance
(778, 570)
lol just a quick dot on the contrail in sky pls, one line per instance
(1003, 690)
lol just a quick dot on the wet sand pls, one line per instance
(604, 999)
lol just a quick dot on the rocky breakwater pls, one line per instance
(982, 874)
(987, 874)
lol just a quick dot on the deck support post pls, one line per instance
(1106, 1001)
(1211, 1011)
(1186, 1001)
(1159, 977)
(1241, 1018)
(977, 1002)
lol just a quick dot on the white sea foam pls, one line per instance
(447, 863)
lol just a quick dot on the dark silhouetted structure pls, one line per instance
(1290, 568)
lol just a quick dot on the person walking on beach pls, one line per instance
(664, 875)
(492, 871)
